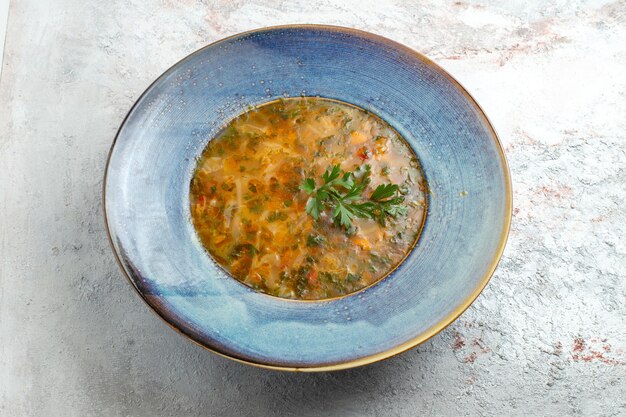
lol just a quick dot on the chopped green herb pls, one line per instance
(332, 279)
(383, 260)
(228, 186)
(353, 277)
(276, 215)
(243, 249)
(315, 240)
(397, 238)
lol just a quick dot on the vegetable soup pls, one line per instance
(308, 198)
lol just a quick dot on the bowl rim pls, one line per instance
(398, 349)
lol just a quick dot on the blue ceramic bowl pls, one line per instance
(153, 158)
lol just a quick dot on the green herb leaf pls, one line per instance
(315, 240)
(342, 215)
(353, 193)
(308, 186)
(384, 191)
(345, 182)
(331, 174)
(314, 207)
(363, 210)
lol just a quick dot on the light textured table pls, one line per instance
(546, 337)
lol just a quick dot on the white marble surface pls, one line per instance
(4, 14)
(547, 336)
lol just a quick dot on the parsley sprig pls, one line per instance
(342, 193)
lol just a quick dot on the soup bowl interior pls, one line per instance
(154, 156)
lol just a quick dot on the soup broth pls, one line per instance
(308, 198)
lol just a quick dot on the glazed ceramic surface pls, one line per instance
(153, 158)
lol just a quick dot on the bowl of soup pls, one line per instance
(307, 198)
